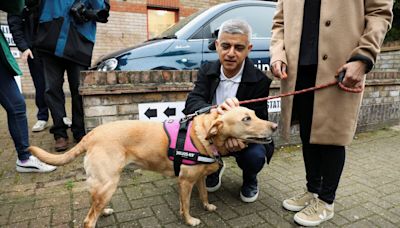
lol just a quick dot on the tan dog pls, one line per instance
(110, 147)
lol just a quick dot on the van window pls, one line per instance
(257, 16)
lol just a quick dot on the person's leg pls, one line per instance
(54, 78)
(36, 70)
(332, 163)
(78, 127)
(14, 104)
(303, 111)
(251, 160)
(303, 107)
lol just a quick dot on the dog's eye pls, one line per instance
(247, 118)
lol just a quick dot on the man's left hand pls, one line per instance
(355, 72)
(233, 145)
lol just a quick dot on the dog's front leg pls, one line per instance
(201, 186)
(186, 187)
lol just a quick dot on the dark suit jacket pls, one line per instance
(254, 84)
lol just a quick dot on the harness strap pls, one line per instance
(191, 156)
(180, 144)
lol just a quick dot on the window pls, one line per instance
(159, 20)
(258, 18)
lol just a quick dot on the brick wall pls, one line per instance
(127, 26)
(115, 96)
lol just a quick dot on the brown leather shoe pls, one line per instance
(61, 144)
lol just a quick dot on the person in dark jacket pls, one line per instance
(233, 77)
(65, 40)
(13, 102)
(23, 27)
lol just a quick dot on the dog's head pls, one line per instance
(241, 123)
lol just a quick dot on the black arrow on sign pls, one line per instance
(151, 113)
(170, 112)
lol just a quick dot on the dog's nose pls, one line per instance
(274, 126)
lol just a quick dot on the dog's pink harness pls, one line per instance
(189, 155)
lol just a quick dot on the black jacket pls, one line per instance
(23, 26)
(254, 84)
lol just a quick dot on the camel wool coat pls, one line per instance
(347, 28)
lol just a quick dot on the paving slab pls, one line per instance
(368, 194)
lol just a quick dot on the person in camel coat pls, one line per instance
(312, 41)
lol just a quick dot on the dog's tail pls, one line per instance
(58, 159)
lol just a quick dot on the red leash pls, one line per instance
(337, 82)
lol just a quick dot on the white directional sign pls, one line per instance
(274, 105)
(161, 111)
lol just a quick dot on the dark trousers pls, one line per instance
(251, 160)
(36, 70)
(323, 163)
(14, 104)
(54, 68)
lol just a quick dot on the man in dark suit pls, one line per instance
(224, 82)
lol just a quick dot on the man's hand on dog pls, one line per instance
(228, 104)
(231, 144)
(234, 145)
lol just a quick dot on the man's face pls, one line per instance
(232, 51)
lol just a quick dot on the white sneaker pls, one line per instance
(40, 125)
(67, 121)
(33, 164)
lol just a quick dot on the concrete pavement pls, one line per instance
(368, 195)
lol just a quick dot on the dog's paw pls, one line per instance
(107, 211)
(210, 207)
(193, 221)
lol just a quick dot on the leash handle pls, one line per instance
(340, 79)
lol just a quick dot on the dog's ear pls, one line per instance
(215, 127)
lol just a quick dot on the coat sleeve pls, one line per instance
(378, 19)
(16, 25)
(14, 6)
(277, 47)
(199, 97)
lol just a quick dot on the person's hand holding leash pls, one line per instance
(355, 72)
(279, 69)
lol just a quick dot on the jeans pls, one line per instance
(14, 104)
(36, 70)
(54, 68)
(323, 163)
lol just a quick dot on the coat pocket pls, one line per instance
(78, 47)
(47, 35)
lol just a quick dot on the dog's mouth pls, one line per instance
(263, 140)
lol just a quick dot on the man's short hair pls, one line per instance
(235, 26)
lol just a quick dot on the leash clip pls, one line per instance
(196, 113)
